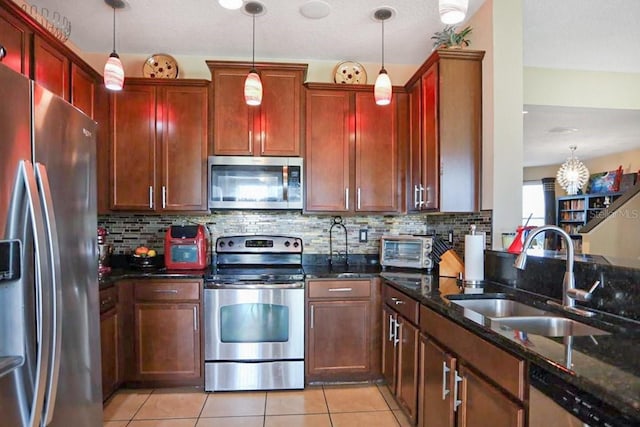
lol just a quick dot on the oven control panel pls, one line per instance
(259, 244)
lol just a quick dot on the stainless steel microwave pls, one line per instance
(237, 182)
(406, 251)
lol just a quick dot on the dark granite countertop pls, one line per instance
(605, 366)
(136, 273)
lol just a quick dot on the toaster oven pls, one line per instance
(407, 251)
(185, 247)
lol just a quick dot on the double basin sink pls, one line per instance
(522, 317)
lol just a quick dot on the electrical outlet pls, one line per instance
(450, 236)
(363, 235)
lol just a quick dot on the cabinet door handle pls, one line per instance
(445, 371)
(457, 379)
(346, 198)
(396, 334)
(358, 196)
(165, 291)
(164, 197)
(195, 319)
(261, 143)
(340, 289)
(397, 301)
(416, 191)
(391, 327)
(250, 142)
(150, 197)
(312, 317)
(429, 201)
(421, 196)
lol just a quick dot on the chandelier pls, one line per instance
(573, 174)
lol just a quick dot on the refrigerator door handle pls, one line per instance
(26, 186)
(56, 296)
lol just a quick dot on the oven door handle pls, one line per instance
(299, 285)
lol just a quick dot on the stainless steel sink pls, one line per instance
(499, 307)
(549, 326)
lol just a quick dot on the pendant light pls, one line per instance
(113, 69)
(252, 84)
(382, 90)
(573, 174)
(452, 11)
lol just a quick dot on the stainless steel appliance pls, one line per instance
(49, 316)
(406, 251)
(242, 182)
(254, 315)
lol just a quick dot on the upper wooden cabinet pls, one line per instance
(270, 129)
(159, 146)
(82, 90)
(446, 132)
(15, 37)
(50, 67)
(351, 151)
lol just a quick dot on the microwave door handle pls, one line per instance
(285, 183)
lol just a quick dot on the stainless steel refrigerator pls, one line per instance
(50, 369)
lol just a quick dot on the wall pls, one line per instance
(126, 231)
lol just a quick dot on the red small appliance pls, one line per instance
(185, 247)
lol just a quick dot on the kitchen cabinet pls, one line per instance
(351, 152)
(445, 133)
(109, 341)
(15, 37)
(159, 146)
(82, 90)
(466, 381)
(342, 330)
(50, 67)
(270, 129)
(400, 349)
(165, 333)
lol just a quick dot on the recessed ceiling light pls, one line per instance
(315, 9)
(231, 4)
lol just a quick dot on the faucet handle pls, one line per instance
(581, 295)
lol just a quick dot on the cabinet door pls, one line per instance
(414, 184)
(133, 148)
(430, 163)
(279, 114)
(376, 155)
(327, 151)
(109, 342)
(483, 405)
(339, 338)
(407, 388)
(51, 68)
(167, 341)
(437, 369)
(182, 112)
(15, 37)
(82, 90)
(232, 118)
(389, 343)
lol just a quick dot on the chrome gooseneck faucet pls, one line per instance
(337, 222)
(569, 292)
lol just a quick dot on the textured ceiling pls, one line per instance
(564, 34)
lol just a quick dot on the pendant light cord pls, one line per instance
(253, 45)
(383, 44)
(114, 30)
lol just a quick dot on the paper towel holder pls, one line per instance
(475, 283)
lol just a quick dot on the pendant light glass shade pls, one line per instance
(113, 73)
(573, 174)
(452, 11)
(253, 89)
(382, 90)
(231, 4)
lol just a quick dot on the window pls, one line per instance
(533, 205)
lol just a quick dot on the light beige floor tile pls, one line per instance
(231, 422)
(311, 420)
(124, 405)
(402, 419)
(355, 399)
(115, 424)
(172, 404)
(191, 422)
(388, 397)
(364, 419)
(309, 401)
(234, 404)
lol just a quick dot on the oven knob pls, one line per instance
(296, 244)
(287, 244)
(230, 243)
(221, 244)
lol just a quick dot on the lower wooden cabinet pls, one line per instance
(109, 341)
(342, 330)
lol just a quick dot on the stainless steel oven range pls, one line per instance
(254, 314)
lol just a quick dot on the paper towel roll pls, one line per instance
(474, 257)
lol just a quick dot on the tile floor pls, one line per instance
(328, 406)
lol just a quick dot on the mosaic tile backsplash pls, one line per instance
(127, 231)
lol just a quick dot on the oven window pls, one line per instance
(402, 251)
(254, 322)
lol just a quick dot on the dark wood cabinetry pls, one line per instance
(159, 146)
(82, 90)
(271, 129)
(400, 348)
(15, 38)
(466, 381)
(342, 330)
(351, 151)
(446, 132)
(51, 67)
(110, 324)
